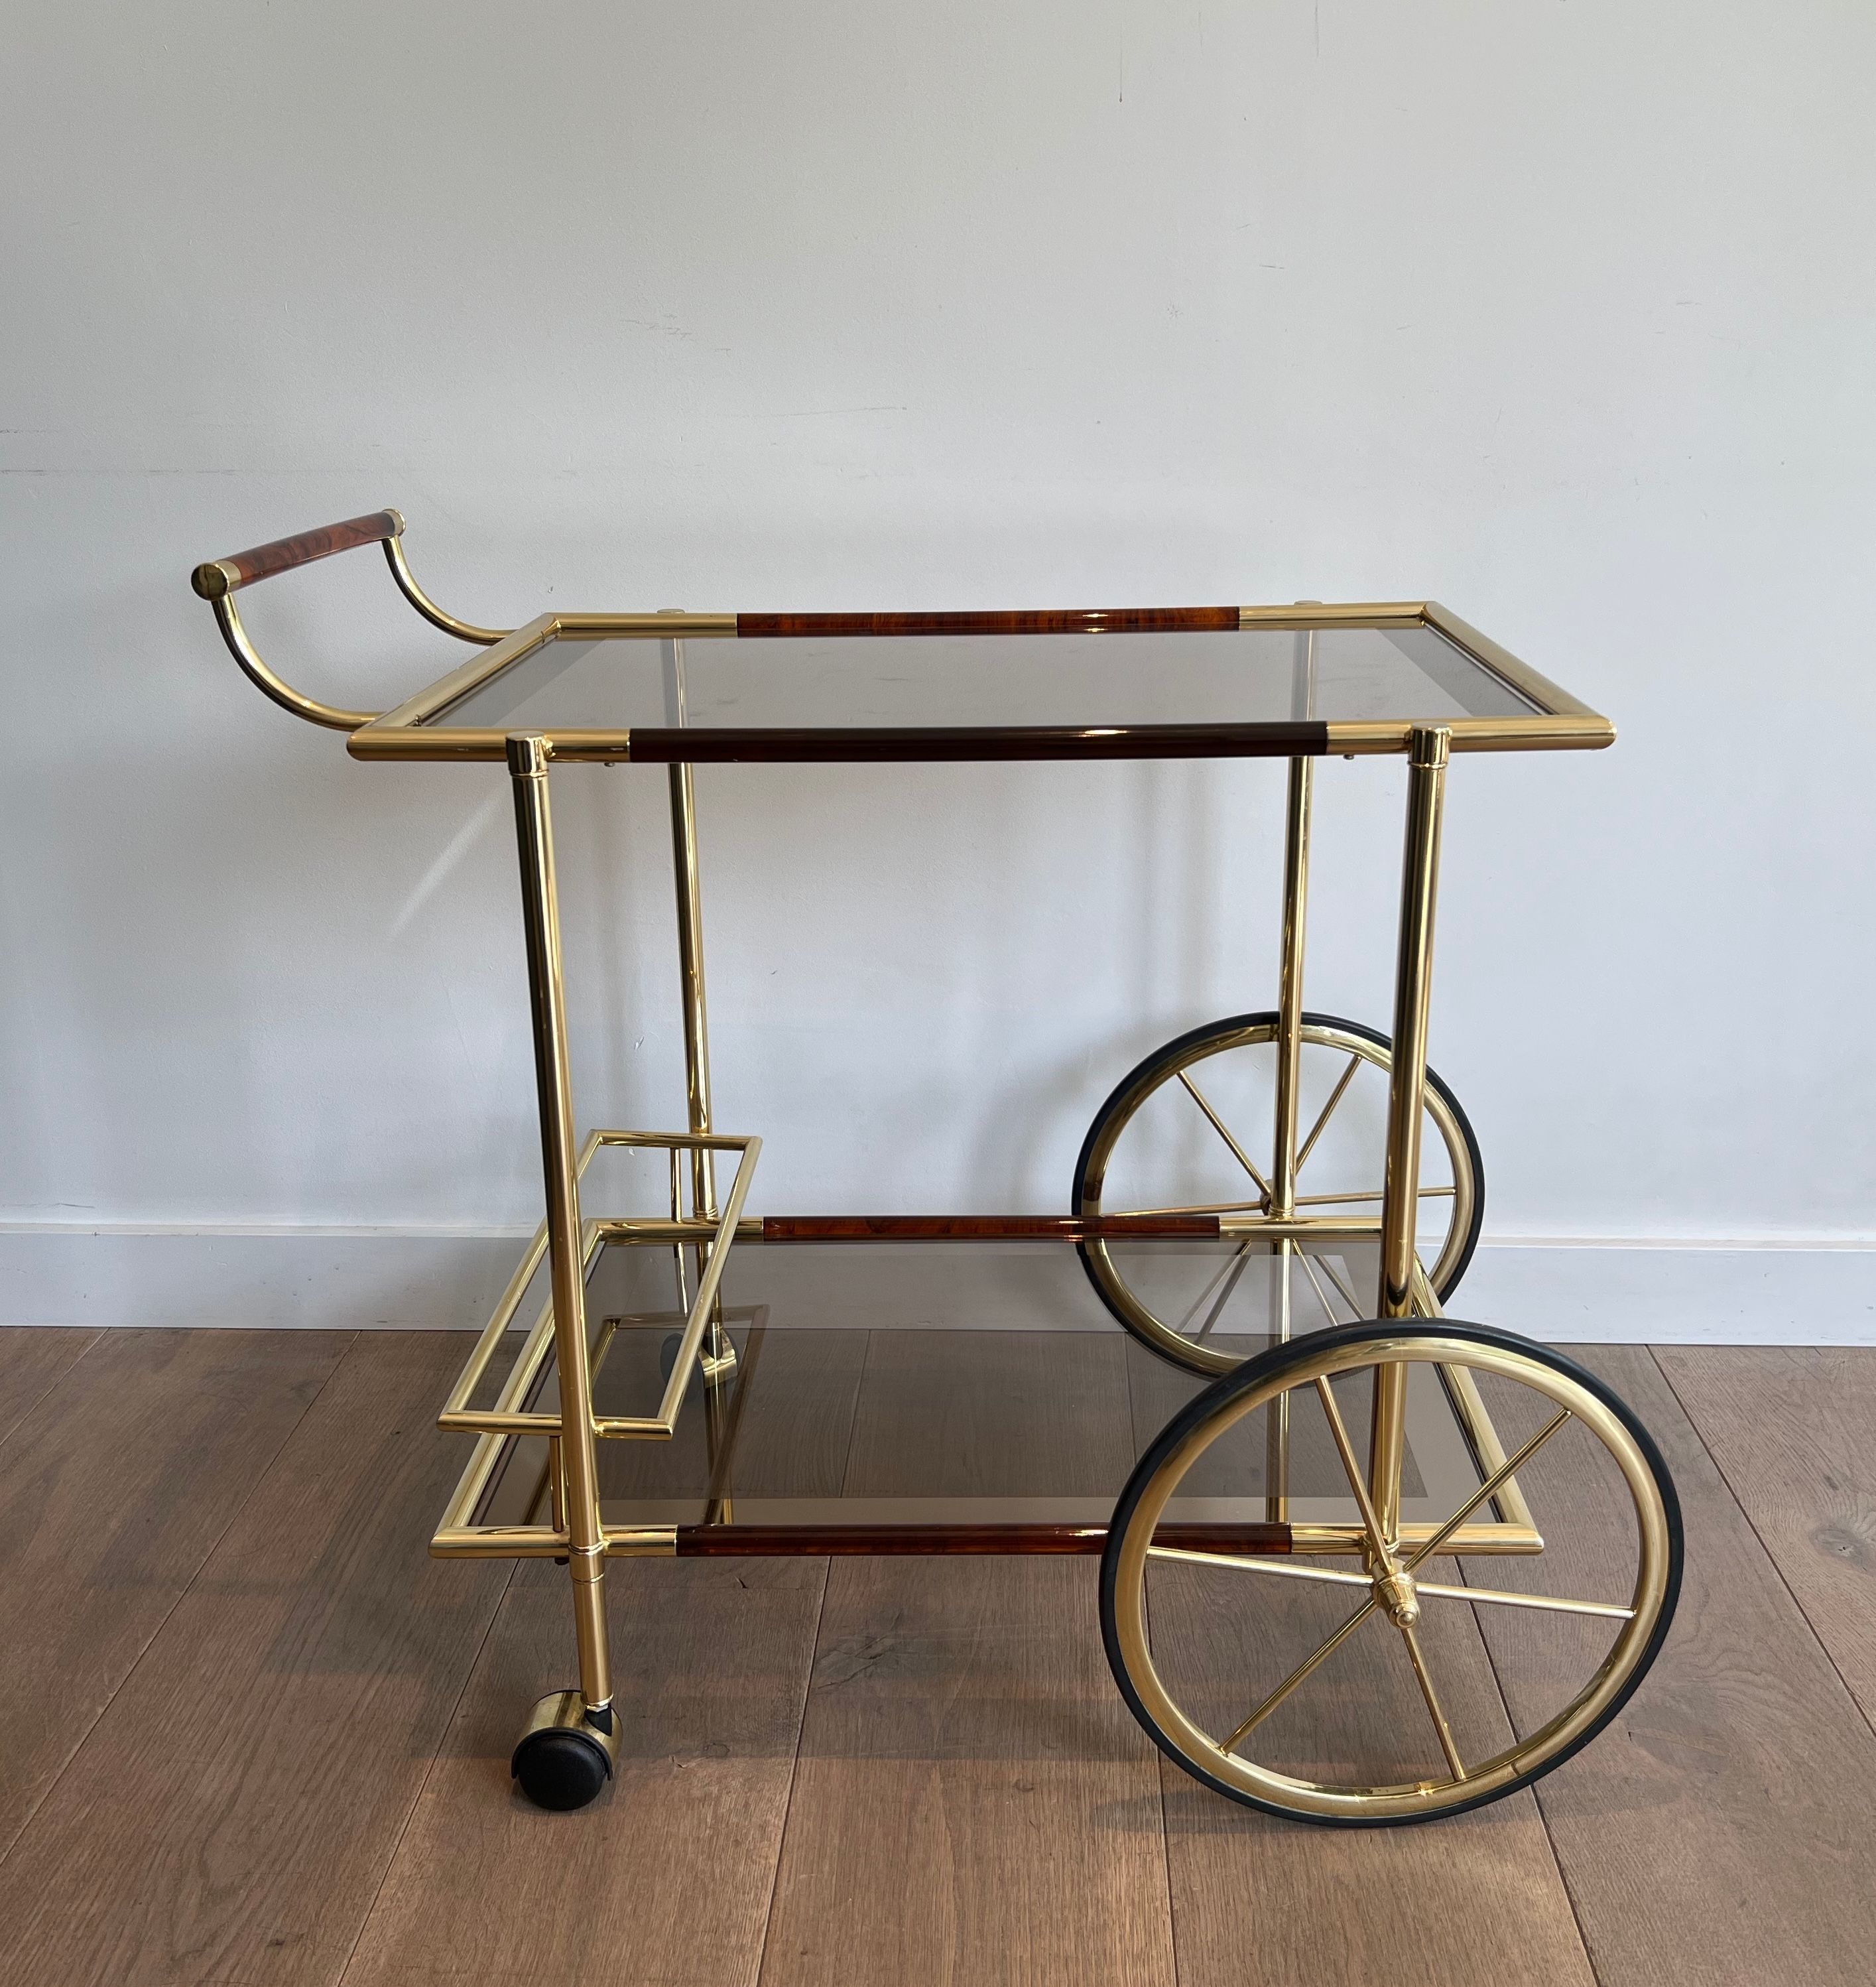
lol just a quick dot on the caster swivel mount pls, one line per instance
(565, 1756)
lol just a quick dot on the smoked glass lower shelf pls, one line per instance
(952, 1396)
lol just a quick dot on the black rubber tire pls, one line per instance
(1271, 1364)
(667, 1354)
(561, 1769)
(1174, 1051)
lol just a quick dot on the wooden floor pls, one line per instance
(249, 1733)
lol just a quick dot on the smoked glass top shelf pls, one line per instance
(1188, 681)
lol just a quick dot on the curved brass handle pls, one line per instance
(218, 580)
(463, 631)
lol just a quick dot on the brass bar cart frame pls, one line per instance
(1541, 716)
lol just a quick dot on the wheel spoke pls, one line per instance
(1290, 1569)
(1508, 1468)
(1439, 1717)
(1555, 1603)
(1323, 1115)
(1284, 1569)
(1357, 1482)
(1218, 1126)
(1372, 1193)
(1300, 1674)
(1330, 1271)
(1322, 1297)
(1228, 1275)
(1209, 1207)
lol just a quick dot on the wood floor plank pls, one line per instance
(1475, 1901)
(232, 1816)
(1793, 1429)
(666, 1877)
(972, 1802)
(971, 1799)
(32, 1360)
(113, 1489)
(1720, 1829)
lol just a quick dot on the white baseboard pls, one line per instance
(404, 1281)
(1657, 1293)
(1621, 1291)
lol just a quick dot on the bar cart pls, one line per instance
(1305, 1439)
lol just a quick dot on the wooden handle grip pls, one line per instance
(996, 621)
(982, 1227)
(223, 576)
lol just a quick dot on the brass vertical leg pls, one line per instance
(719, 1359)
(1289, 986)
(528, 756)
(1276, 1426)
(690, 970)
(719, 1427)
(1426, 782)
(1289, 1069)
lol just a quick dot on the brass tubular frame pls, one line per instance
(720, 1358)
(1276, 1430)
(632, 1228)
(703, 1306)
(1426, 783)
(687, 883)
(1301, 1227)
(227, 619)
(1546, 717)
(1387, 1447)
(1486, 1538)
(1429, 748)
(463, 631)
(1285, 1159)
(1553, 721)
(507, 1416)
(503, 1315)
(1475, 1423)
(579, 1468)
(690, 972)
(1289, 986)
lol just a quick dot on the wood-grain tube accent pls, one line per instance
(980, 1227)
(222, 576)
(997, 621)
(932, 1541)
(724, 744)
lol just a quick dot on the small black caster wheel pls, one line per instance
(667, 1354)
(564, 1757)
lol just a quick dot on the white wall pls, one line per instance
(1561, 313)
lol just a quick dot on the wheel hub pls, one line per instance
(1396, 1592)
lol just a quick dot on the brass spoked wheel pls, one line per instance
(1189, 1131)
(1371, 1659)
